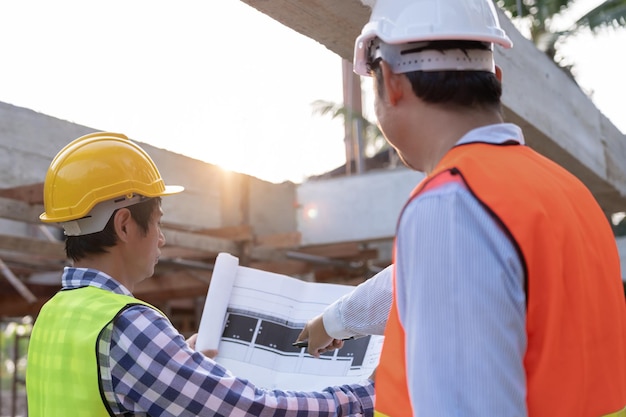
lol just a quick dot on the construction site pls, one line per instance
(335, 228)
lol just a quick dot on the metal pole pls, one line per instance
(360, 161)
(346, 67)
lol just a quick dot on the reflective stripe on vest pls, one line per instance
(62, 374)
(576, 316)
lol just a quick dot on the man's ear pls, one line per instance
(393, 83)
(121, 222)
(499, 73)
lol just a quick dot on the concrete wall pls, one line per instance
(28, 142)
(272, 207)
(199, 204)
(213, 198)
(353, 208)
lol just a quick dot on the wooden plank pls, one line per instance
(234, 233)
(286, 267)
(31, 193)
(33, 246)
(262, 253)
(335, 250)
(157, 296)
(173, 285)
(279, 240)
(174, 252)
(13, 209)
(203, 243)
(343, 277)
(156, 290)
(23, 261)
(16, 307)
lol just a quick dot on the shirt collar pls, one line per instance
(81, 277)
(498, 133)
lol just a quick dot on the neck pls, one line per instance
(110, 265)
(443, 130)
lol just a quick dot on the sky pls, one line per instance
(212, 79)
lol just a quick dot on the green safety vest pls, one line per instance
(62, 373)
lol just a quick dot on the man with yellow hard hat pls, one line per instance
(95, 350)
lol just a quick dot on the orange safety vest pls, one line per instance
(575, 360)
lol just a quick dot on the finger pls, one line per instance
(304, 334)
(337, 344)
(191, 342)
(211, 353)
(316, 353)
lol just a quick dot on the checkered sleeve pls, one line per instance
(153, 371)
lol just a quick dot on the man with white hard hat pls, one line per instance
(507, 297)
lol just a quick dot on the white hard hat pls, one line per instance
(405, 21)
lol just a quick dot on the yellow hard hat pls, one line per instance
(96, 168)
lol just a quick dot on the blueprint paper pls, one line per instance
(252, 317)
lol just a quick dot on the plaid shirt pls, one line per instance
(147, 368)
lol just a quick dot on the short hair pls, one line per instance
(478, 89)
(78, 247)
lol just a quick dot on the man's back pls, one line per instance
(576, 314)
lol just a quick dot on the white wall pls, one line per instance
(353, 208)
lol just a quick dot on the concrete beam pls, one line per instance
(335, 24)
(558, 119)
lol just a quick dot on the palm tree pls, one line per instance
(373, 138)
(540, 16)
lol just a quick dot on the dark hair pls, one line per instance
(77, 247)
(463, 88)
